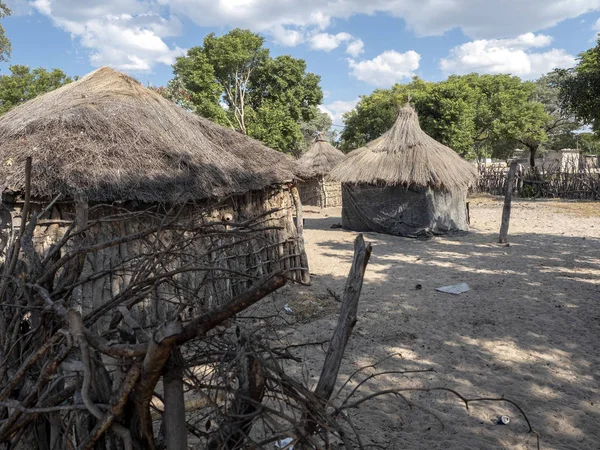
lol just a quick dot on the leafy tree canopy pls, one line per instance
(476, 115)
(234, 81)
(24, 84)
(5, 47)
(580, 87)
(321, 122)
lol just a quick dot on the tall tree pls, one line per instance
(195, 87)
(232, 80)
(476, 115)
(5, 46)
(24, 84)
(234, 57)
(554, 126)
(580, 87)
(281, 96)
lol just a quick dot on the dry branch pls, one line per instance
(116, 409)
(156, 357)
(201, 325)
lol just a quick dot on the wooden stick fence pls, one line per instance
(549, 182)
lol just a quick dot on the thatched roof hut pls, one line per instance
(112, 148)
(314, 165)
(108, 137)
(404, 183)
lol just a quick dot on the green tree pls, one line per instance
(476, 115)
(24, 84)
(548, 123)
(233, 58)
(281, 96)
(5, 46)
(580, 87)
(321, 122)
(587, 142)
(232, 80)
(375, 113)
(447, 114)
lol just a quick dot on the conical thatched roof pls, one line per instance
(319, 159)
(107, 137)
(406, 155)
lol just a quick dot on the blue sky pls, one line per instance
(355, 45)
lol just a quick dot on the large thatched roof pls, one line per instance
(320, 158)
(406, 155)
(109, 138)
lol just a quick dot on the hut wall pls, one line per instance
(208, 267)
(321, 193)
(402, 212)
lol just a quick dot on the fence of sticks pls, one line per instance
(554, 181)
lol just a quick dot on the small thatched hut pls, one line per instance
(404, 183)
(314, 166)
(109, 147)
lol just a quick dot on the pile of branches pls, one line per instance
(111, 375)
(108, 376)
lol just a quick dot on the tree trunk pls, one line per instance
(532, 152)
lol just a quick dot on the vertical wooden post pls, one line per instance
(305, 277)
(468, 214)
(510, 181)
(346, 320)
(174, 415)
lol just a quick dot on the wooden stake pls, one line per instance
(346, 321)
(300, 228)
(510, 181)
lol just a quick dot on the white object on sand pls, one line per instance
(455, 288)
(284, 444)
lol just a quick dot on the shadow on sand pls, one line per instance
(528, 330)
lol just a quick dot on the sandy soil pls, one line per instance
(528, 330)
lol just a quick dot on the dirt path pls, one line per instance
(528, 330)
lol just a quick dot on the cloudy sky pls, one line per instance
(355, 45)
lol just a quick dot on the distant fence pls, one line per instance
(550, 182)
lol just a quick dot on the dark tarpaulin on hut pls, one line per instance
(396, 210)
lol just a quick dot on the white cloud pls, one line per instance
(286, 36)
(124, 34)
(387, 68)
(328, 42)
(512, 56)
(476, 19)
(355, 48)
(596, 25)
(338, 108)
(289, 22)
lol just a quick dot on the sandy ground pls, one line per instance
(529, 329)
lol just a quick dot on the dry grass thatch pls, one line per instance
(107, 137)
(320, 159)
(406, 155)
